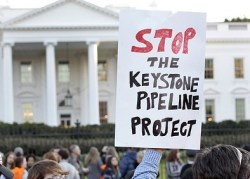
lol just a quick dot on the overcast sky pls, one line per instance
(217, 10)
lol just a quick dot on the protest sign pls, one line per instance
(160, 76)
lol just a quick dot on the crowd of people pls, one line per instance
(68, 163)
(221, 161)
(217, 162)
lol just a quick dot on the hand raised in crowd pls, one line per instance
(85, 170)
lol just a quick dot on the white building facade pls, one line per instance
(58, 66)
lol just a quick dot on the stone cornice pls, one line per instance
(58, 3)
(61, 28)
(228, 40)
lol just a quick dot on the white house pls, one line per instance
(58, 65)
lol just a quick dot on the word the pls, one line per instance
(163, 34)
(163, 62)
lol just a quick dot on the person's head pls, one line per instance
(187, 174)
(9, 160)
(63, 153)
(30, 160)
(51, 156)
(46, 169)
(18, 151)
(130, 149)
(20, 162)
(191, 154)
(173, 155)
(75, 150)
(111, 151)
(222, 161)
(246, 147)
(112, 162)
(139, 156)
(93, 156)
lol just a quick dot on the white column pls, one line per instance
(93, 83)
(1, 83)
(51, 103)
(84, 91)
(8, 83)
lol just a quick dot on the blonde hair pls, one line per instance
(93, 156)
(40, 169)
(51, 156)
(112, 152)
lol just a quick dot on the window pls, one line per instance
(209, 69)
(63, 72)
(27, 112)
(26, 72)
(210, 110)
(240, 108)
(65, 120)
(103, 110)
(238, 68)
(102, 70)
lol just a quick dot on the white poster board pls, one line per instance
(161, 58)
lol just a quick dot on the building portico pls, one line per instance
(45, 93)
(47, 48)
(58, 64)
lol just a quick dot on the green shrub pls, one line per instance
(42, 138)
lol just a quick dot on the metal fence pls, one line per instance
(43, 141)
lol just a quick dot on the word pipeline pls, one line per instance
(164, 89)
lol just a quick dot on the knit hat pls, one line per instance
(191, 153)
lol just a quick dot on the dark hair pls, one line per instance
(187, 174)
(130, 174)
(42, 168)
(19, 162)
(64, 153)
(5, 159)
(246, 147)
(191, 153)
(222, 161)
(109, 165)
(172, 155)
(31, 156)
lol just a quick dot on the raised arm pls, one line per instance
(148, 168)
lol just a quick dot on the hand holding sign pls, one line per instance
(160, 79)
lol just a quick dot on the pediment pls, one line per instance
(240, 90)
(65, 13)
(211, 91)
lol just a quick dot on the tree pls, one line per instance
(238, 19)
